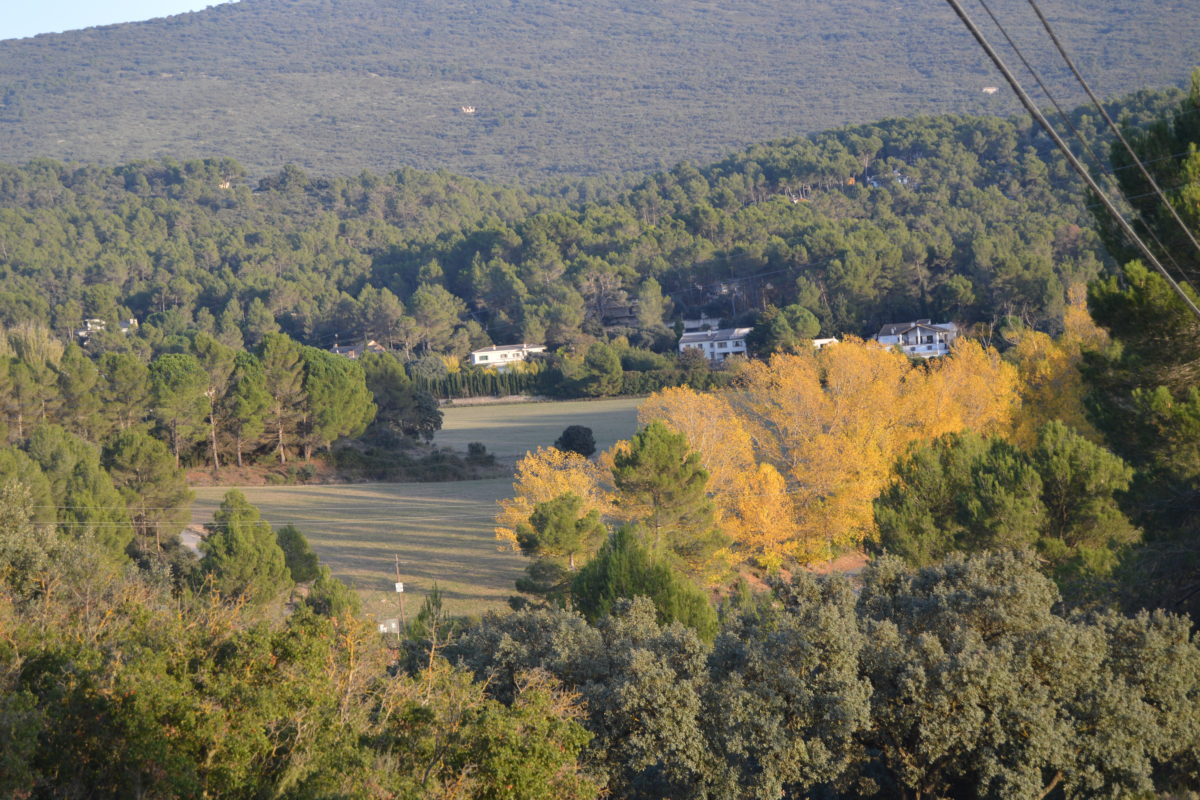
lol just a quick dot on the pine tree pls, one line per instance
(124, 390)
(245, 404)
(177, 387)
(33, 388)
(602, 371)
(86, 501)
(661, 484)
(154, 489)
(217, 362)
(283, 373)
(623, 569)
(78, 389)
(558, 533)
(652, 307)
(260, 323)
(338, 401)
(241, 553)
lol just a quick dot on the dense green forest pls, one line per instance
(1022, 630)
(963, 218)
(970, 218)
(578, 88)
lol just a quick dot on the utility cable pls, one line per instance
(1098, 163)
(1079, 168)
(1113, 126)
(1041, 85)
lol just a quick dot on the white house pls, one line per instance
(503, 355)
(94, 325)
(716, 345)
(819, 343)
(920, 339)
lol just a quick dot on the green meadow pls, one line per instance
(441, 532)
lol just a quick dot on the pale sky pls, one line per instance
(23, 18)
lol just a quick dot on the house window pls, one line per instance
(722, 345)
(739, 343)
(483, 358)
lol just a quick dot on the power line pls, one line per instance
(1038, 78)
(1097, 161)
(1029, 105)
(1113, 127)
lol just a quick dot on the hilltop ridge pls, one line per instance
(557, 86)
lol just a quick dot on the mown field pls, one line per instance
(511, 430)
(441, 532)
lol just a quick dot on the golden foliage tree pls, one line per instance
(712, 429)
(803, 444)
(1051, 385)
(541, 477)
(755, 511)
(973, 390)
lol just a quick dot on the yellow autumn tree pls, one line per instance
(1051, 384)
(973, 389)
(753, 506)
(824, 428)
(542, 476)
(755, 512)
(712, 429)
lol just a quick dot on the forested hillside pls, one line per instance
(1027, 501)
(557, 87)
(969, 218)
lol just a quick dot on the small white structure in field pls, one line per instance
(716, 345)
(920, 339)
(501, 356)
(468, 109)
(990, 89)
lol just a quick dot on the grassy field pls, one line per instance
(441, 531)
(510, 430)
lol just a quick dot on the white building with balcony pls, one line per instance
(920, 339)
